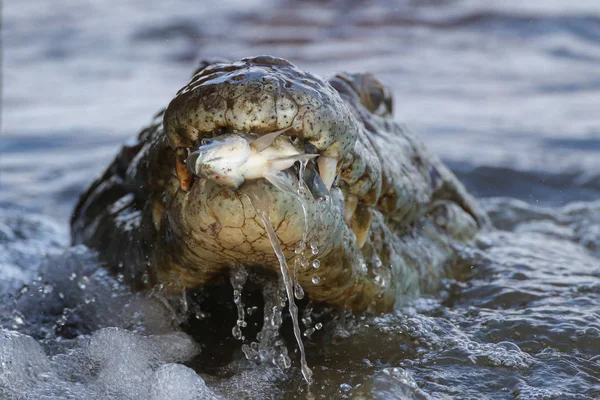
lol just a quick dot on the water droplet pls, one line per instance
(250, 351)
(237, 333)
(316, 280)
(238, 279)
(344, 387)
(304, 263)
(283, 361)
(316, 264)
(298, 291)
(200, 315)
(300, 248)
(314, 249)
(276, 320)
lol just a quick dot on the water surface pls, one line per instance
(507, 94)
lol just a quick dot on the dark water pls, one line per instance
(506, 93)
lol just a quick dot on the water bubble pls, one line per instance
(316, 264)
(509, 346)
(318, 326)
(316, 279)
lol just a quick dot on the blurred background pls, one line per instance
(507, 92)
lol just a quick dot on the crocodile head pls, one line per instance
(367, 204)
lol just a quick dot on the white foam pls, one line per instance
(178, 382)
(111, 364)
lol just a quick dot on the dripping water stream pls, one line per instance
(279, 181)
(285, 273)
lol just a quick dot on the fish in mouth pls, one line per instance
(365, 217)
(232, 159)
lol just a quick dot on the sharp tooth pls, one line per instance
(350, 207)
(361, 224)
(183, 174)
(327, 170)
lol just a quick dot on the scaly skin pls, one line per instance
(387, 231)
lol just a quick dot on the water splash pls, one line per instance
(269, 347)
(238, 279)
(285, 275)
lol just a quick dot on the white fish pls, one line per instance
(231, 159)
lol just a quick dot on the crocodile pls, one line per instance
(342, 185)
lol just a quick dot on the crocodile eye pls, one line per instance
(375, 97)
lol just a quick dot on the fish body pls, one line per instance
(231, 159)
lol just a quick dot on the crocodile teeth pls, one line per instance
(361, 224)
(350, 207)
(327, 170)
(183, 174)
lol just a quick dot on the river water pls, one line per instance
(506, 92)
